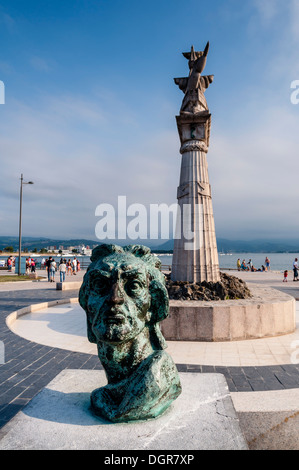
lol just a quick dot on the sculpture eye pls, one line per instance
(100, 285)
(133, 287)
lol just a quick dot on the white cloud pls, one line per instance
(67, 146)
(268, 9)
(254, 176)
(72, 150)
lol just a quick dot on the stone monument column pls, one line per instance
(195, 255)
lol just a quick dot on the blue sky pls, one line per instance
(90, 107)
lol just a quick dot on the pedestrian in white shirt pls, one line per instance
(74, 266)
(62, 271)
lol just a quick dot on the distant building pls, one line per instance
(65, 252)
(84, 250)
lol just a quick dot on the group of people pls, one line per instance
(30, 265)
(295, 271)
(250, 267)
(70, 267)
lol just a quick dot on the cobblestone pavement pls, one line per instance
(28, 366)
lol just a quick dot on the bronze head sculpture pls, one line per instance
(124, 296)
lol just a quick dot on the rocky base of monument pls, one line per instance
(229, 287)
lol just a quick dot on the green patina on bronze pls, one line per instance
(124, 296)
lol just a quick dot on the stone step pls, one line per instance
(59, 417)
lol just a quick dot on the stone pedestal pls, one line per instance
(59, 418)
(268, 313)
(195, 259)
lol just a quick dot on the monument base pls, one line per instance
(59, 418)
(268, 313)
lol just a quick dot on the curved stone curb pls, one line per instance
(12, 317)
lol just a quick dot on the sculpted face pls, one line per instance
(119, 298)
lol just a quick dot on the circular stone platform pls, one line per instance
(268, 312)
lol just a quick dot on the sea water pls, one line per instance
(278, 261)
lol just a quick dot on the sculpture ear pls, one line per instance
(90, 335)
(83, 303)
(159, 301)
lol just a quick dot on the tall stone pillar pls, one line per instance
(195, 255)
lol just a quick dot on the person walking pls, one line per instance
(52, 270)
(267, 263)
(69, 267)
(295, 269)
(62, 271)
(75, 265)
(33, 266)
(9, 263)
(47, 264)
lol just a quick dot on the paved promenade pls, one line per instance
(262, 376)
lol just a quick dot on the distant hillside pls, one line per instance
(247, 246)
(257, 246)
(30, 242)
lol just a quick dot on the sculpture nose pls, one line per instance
(116, 295)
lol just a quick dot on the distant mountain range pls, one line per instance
(31, 242)
(248, 246)
(224, 245)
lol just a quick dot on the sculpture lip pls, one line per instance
(114, 318)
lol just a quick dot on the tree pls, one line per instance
(9, 249)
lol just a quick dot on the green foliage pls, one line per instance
(9, 249)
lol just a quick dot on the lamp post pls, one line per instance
(20, 221)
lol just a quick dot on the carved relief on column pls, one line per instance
(200, 188)
(193, 145)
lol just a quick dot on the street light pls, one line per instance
(20, 221)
